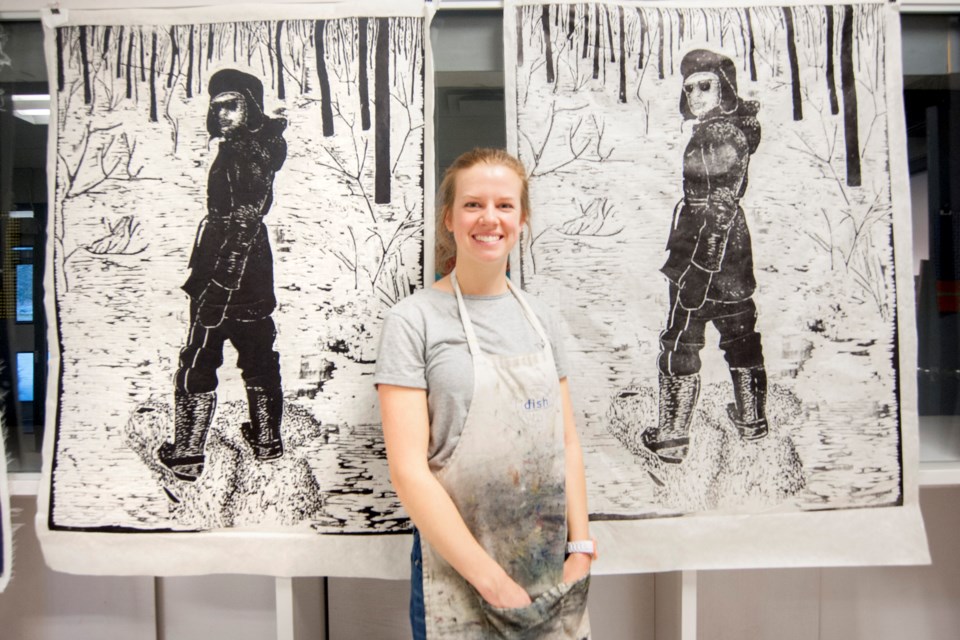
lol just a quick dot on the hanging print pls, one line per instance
(720, 214)
(238, 199)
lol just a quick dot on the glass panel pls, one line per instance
(24, 110)
(25, 376)
(25, 293)
(931, 62)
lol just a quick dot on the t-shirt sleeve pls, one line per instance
(401, 357)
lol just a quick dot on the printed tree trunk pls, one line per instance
(660, 50)
(545, 19)
(643, 37)
(571, 22)
(381, 98)
(106, 43)
(85, 63)
(849, 85)
(363, 80)
(623, 58)
(153, 78)
(794, 64)
(130, 67)
(281, 94)
(61, 81)
(210, 48)
(174, 54)
(613, 57)
(753, 47)
(143, 65)
(519, 36)
(120, 53)
(586, 31)
(831, 80)
(326, 110)
(190, 63)
(596, 42)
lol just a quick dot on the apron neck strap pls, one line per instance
(468, 325)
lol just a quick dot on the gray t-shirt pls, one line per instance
(423, 345)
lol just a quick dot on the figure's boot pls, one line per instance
(262, 433)
(670, 439)
(748, 411)
(193, 414)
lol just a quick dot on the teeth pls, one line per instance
(487, 238)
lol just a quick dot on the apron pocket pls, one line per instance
(554, 614)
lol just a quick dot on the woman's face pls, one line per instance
(703, 92)
(485, 218)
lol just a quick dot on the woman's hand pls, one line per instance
(505, 593)
(575, 567)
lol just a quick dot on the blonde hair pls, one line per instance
(446, 247)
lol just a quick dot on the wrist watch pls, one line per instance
(582, 546)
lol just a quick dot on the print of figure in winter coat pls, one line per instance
(710, 263)
(231, 280)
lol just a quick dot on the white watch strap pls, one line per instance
(581, 546)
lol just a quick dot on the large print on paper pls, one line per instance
(715, 208)
(237, 201)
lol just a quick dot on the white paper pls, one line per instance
(835, 480)
(129, 196)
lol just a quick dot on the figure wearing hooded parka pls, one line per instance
(231, 279)
(710, 265)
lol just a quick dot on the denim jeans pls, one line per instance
(418, 613)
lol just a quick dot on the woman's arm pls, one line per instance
(577, 565)
(406, 432)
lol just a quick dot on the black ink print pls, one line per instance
(710, 266)
(231, 280)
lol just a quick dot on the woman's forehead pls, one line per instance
(482, 176)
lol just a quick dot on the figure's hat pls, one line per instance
(247, 85)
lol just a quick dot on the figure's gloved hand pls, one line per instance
(693, 286)
(213, 305)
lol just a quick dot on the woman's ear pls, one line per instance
(447, 222)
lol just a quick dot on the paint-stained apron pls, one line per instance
(507, 479)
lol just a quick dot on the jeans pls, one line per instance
(418, 613)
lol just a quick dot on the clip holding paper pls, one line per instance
(53, 16)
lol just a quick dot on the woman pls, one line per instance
(479, 429)
(710, 267)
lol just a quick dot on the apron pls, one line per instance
(507, 479)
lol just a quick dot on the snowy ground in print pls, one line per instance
(606, 176)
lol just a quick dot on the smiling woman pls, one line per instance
(480, 441)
